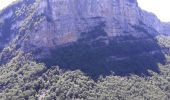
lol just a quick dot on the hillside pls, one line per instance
(25, 79)
(105, 50)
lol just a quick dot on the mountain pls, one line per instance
(114, 35)
(77, 17)
(83, 50)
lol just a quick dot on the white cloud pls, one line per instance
(5, 3)
(159, 7)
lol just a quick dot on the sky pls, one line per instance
(5, 3)
(159, 7)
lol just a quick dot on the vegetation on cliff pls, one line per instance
(23, 78)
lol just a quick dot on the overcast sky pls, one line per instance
(160, 7)
(4, 3)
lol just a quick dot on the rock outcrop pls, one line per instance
(64, 20)
(80, 32)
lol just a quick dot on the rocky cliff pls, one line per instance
(64, 20)
(86, 33)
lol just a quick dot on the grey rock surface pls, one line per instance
(83, 34)
(63, 21)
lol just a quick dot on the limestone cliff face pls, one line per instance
(63, 21)
(166, 28)
(84, 32)
(152, 21)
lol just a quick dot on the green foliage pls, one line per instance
(164, 41)
(21, 78)
(31, 10)
(15, 77)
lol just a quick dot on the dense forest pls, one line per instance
(22, 78)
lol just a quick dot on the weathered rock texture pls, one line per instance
(63, 21)
(85, 33)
